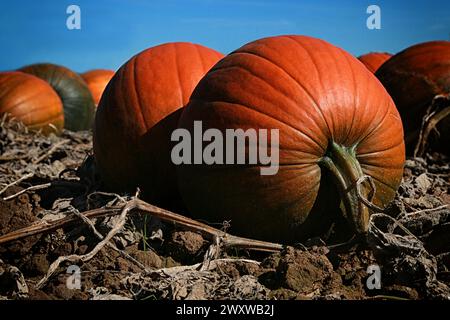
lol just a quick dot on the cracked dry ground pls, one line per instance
(411, 243)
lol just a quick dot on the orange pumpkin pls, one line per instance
(97, 81)
(374, 60)
(137, 114)
(75, 95)
(32, 101)
(336, 123)
(418, 80)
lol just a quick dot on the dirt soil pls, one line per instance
(49, 178)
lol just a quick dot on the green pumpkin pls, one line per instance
(79, 107)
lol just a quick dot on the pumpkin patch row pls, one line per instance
(341, 121)
(65, 101)
(336, 124)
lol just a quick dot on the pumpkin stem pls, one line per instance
(341, 162)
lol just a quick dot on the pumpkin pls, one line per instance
(97, 81)
(75, 95)
(336, 124)
(32, 101)
(138, 112)
(418, 80)
(374, 60)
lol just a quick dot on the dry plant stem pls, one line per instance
(32, 188)
(13, 157)
(86, 257)
(89, 197)
(344, 244)
(429, 123)
(361, 197)
(44, 186)
(396, 223)
(44, 226)
(198, 266)
(50, 151)
(211, 254)
(108, 194)
(109, 244)
(409, 214)
(208, 232)
(386, 297)
(25, 177)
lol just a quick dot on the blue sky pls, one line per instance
(114, 30)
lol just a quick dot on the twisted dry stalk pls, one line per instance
(208, 232)
(219, 238)
(25, 177)
(436, 112)
(91, 226)
(368, 202)
(32, 188)
(86, 257)
(44, 226)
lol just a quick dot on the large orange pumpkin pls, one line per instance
(137, 114)
(336, 123)
(75, 95)
(32, 101)
(97, 81)
(374, 60)
(418, 78)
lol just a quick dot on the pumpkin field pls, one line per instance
(286, 169)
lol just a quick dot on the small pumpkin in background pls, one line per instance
(74, 93)
(97, 80)
(336, 124)
(139, 110)
(374, 60)
(32, 101)
(418, 80)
